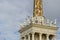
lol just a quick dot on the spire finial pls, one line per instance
(37, 8)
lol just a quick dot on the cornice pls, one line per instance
(37, 25)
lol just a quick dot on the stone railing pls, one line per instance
(40, 22)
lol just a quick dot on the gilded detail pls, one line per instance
(38, 8)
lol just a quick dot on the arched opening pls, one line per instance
(22, 38)
(36, 36)
(51, 37)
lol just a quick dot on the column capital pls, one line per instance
(41, 33)
(32, 33)
(47, 34)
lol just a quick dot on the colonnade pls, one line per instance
(31, 36)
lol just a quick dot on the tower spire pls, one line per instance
(37, 8)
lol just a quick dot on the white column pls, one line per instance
(47, 37)
(32, 36)
(25, 38)
(28, 37)
(55, 37)
(40, 36)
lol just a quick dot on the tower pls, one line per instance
(37, 27)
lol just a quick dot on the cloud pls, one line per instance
(12, 13)
(9, 36)
(51, 8)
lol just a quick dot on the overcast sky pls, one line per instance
(13, 12)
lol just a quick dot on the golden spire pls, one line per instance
(37, 8)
